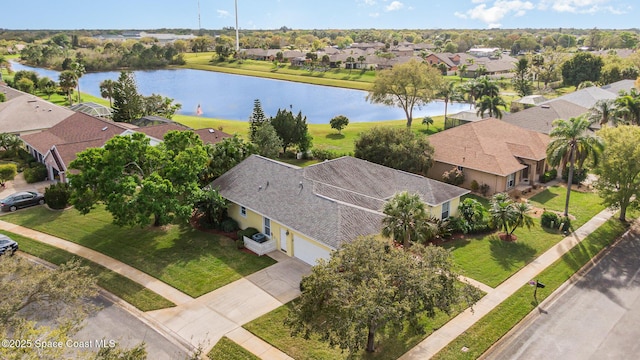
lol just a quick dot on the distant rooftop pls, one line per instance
(93, 109)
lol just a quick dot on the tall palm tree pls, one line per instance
(107, 89)
(628, 105)
(604, 112)
(449, 92)
(490, 104)
(78, 70)
(487, 87)
(406, 219)
(472, 89)
(67, 81)
(572, 143)
(462, 69)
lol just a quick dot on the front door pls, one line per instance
(283, 240)
(525, 173)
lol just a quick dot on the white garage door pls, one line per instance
(308, 252)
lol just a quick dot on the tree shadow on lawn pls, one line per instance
(544, 197)
(335, 136)
(510, 255)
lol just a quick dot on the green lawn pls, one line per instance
(500, 320)
(490, 260)
(187, 259)
(389, 345)
(128, 290)
(226, 349)
(582, 205)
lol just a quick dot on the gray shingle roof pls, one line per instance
(332, 202)
(24, 113)
(622, 85)
(540, 118)
(585, 97)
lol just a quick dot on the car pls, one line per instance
(7, 245)
(21, 199)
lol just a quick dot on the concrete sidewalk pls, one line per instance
(454, 328)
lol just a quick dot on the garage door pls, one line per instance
(308, 252)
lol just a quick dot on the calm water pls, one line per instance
(228, 96)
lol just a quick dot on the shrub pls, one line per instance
(229, 225)
(322, 154)
(579, 175)
(566, 223)
(484, 189)
(57, 195)
(248, 232)
(240, 243)
(7, 172)
(36, 173)
(454, 176)
(548, 176)
(550, 220)
(475, 186)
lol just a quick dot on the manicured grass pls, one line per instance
(128, 290)
(324, 137)
(192, 261)
(355, 79)
(482, 200)
(226, 349)
(499, 321)
(389, 345)
(490, 260)
(582, 205)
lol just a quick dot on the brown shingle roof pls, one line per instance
(158, 131)
(211, 136)
(489, 145)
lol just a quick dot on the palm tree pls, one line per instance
(472, 89)
(487, 87)
(361, 60)
(67, 81)
(508, 215)
(406, 219)
(449, 92)
(462, 69)
(522, 216)
(350, 60)
(106, 90)
(628, 105)
(490, 104)
(604, 112)
(78, 70)
(427, 120)
(570, 143)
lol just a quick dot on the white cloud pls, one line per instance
(374, 15)
(580, 6)
(394, 5)
(222, 13)
(491, 15)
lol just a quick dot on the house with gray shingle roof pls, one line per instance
(24, 113)
(491, 152)
(586, 97)
(540, 118)
(312, 211)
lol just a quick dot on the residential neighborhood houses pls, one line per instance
(284, 218)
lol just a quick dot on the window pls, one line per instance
(267, 226)
(511, 181)
(243, 211)
(460, 168)
(445, 210)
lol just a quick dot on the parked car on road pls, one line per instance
(7, 245)
(21, 199)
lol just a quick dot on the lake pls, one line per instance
(227, 96)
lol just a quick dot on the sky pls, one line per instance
(327, 14)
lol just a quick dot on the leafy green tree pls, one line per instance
(137, 181)
(25, 85)
(406, 86)
(368, 286)
(212, 206)
(67, 81)
(490, 105)
(406, 219)
(583, 66)
(571, 143)
(107, 88)
(628, 107)
(509, 215)
(47, 86)
(618, 181)
(7, 173)
(339, 122)
(10, 143)
(256, 119)
(127, 103)
(291, 130)
(400, 149)
(224, 155)
(267, 142)
(159, 105)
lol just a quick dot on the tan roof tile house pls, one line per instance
(492, 152)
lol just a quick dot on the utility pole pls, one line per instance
(237, 36)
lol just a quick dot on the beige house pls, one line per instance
(494, 153)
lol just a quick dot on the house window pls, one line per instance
(460, 168)
(445, 210)
(267, 226)
(243, 211)
(511, 181)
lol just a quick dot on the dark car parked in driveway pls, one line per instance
(7, 245)
(21, 199)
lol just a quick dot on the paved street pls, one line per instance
(595, 318)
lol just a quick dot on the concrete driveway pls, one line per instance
(595, 318)
(204, 320)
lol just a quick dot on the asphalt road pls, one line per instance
(597, 317)
(113, 323)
